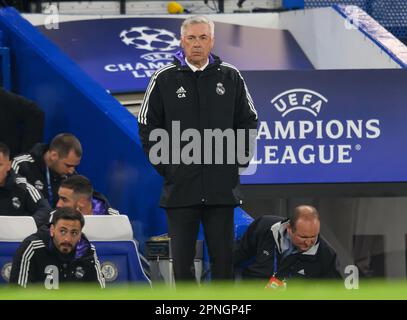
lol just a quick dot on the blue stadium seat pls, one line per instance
(111, 235)
(120, 262)
(242, 221)
(13, 230)
(116, 248)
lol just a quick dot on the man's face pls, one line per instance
(66, 199)
(5, 166)
(64, 166)
(66, 234)
(197, 43)
(305, 234)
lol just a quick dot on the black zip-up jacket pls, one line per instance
(37, 255)
(19, 198)
(21, 122)
(216, 99)
(261, 245)
(32, 166)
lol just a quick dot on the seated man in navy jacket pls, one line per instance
(291, 248)
(76, 192)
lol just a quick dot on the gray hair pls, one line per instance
(198, 20)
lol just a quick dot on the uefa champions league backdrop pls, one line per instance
(122, 54)
(329, 126)
(314, 126)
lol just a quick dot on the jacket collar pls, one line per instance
(38, 152)
(180, 60)
(278, 230)
(10, 180)
(100, 205)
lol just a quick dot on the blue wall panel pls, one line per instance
(113, 158)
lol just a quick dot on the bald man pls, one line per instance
(291, 248)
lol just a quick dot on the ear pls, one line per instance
(53, 155)
(289, 230)
(8, 165)
(81, 202)
(52, 230)
(182, 42)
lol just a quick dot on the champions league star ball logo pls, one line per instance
(159, 45)
(146, 38)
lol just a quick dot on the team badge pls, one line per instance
(79, 272)
(220, 89)
(39, 185)
(16, 202)
(5, 271)
(109, 271)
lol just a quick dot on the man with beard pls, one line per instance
(57, 255)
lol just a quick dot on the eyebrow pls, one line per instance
(194, 36)
(306, 236)
(63, 228)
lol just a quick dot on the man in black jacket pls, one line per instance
(284, 249)
(77, 192)
(21, 122)
(47, 165)
(56, 255)
(17, 197)
(191, 98)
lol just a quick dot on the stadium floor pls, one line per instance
(367, 290)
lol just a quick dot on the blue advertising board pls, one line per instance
(329, 126)
(121, 54)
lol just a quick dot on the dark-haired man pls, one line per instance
(57, 255)
(284, 249)
(77, 192)
(17, 197)
(47, 165)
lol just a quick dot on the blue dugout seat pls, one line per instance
(116, 248)
(13, 230)
(111, 235)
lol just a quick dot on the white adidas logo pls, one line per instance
(181, 92)
(302, 271)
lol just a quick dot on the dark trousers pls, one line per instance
(183, 228)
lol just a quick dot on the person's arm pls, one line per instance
(332, 268)
(151, 116)
(23, 269)
(37, 206)
(247, 246)
(245, 118)
(96, 275)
